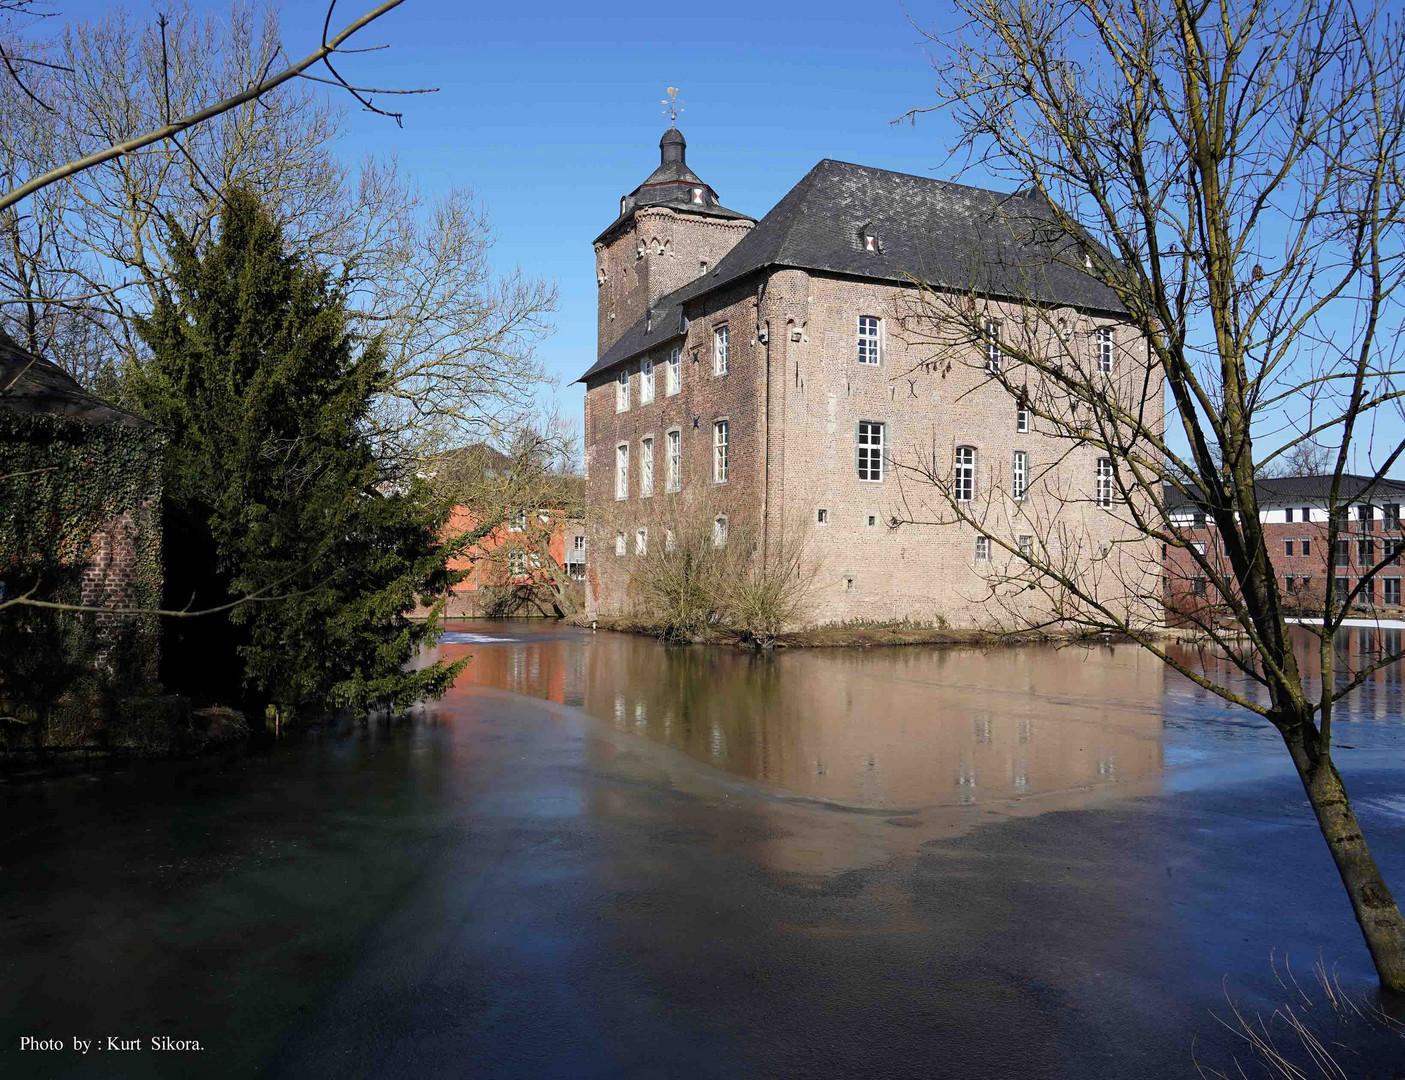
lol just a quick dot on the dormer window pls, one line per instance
(649, 321)
(697, 196)
(869, 236)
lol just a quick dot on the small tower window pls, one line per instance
(697, 196)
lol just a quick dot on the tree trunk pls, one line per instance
(1376, 911)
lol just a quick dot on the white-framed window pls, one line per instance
(518, 522)
(646, 466)
(1103, 340)
(719, 531)
(720, 437)
(1027, 546)
(641, 541)
(674, 475)
(721, 351)
(1022, 420)
(622, 390)
(993, 355)
(669, 542)
(646, 380)
(1392, 591)
(619, 543)
(870, 339)
(982, 549)
(516, 563)
(870, 450)
(622, 471)
(1105, 483)
(964, 482)
(673, 377)
(1019, 475)
(822, 516)
(579, 546)
(1198, 546)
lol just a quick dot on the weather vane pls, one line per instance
(672, 105)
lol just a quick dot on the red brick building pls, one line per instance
(510, 558)
(1294, 513)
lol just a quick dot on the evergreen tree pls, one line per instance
(272, 485)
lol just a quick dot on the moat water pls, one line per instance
(599, 856)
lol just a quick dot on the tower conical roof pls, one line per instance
(674, 185)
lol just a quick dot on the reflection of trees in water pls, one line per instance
(1353, 649)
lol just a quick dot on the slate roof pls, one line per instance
(671, 185)
(947, 234)
(31, 384)
(1313, 490)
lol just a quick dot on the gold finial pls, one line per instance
(672, 105)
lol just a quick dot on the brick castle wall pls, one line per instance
(802, 392)
(659, 251)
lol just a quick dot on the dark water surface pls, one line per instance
(601, 857)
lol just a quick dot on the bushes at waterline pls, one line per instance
(705, 574)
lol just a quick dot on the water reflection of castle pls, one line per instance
(889, 727)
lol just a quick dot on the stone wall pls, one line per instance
(794, 397)
(703, 399)
(659, 251)
(819, 393)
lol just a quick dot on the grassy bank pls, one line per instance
(856, 634)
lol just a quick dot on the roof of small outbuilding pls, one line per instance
(946, 234)
(31, 384)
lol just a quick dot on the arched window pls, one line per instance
(719, 531)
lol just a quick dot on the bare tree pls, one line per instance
(77, 259)
(512, 504)
(700, 570)
(109, 144)
(1230, 174)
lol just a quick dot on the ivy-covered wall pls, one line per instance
(79, 524)
(62, 480)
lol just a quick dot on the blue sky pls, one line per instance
(550, 112)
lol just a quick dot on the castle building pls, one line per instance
(760, 372)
